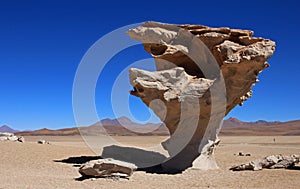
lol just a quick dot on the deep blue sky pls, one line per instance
(42, 43)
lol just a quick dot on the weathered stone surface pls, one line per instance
(269, 162)
(171, 84)
(21, 139)
(202, 73)
(107, 168)
(10, 137)
(43, 142)
(243, 154)
(6, 134)
(3, 138)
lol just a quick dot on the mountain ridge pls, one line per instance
(123, 126)
(7, 129)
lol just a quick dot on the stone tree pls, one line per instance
(202, 74)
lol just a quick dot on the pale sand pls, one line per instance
(30, 165)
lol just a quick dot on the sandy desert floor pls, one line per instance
(31, 165)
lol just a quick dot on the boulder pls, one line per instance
(202, 74)
(243, 154)
(10, 137)
(269, 162)
(3, 138)
(21, 139)
(43, 142)
(6, 134)
(107, 168)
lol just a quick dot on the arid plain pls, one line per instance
(31, 165)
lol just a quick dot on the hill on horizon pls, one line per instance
(123, 126)
(235, 127)
(7, 129)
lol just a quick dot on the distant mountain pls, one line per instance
(7, 129)
(235, 122)
(121, 126)
(235, 127)
(45, 131)
(125, 127)
(232, 122)
(120, 121)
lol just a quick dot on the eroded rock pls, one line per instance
(202, 74)
(243, 154)
(107, 168)
(6, 134)
(43, 142)
(10, 137)
(269, 162)
(21, 139)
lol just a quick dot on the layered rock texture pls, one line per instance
(107, 168)
(202, 74)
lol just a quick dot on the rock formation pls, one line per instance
(202, 74)
(11, 137)
(107, 168)
(269, 162)
(43, 142)
(243, 154)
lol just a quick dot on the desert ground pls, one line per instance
(31, 165)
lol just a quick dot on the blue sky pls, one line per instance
(43, 42)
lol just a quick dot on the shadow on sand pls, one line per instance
(77, 161)
(295, 168)
(147, 161)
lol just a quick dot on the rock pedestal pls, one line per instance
(202, 74)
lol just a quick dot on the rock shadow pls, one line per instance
(146, 161)
(141, 158)
(77, 161)
(297, 167)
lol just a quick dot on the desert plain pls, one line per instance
(31, 165)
